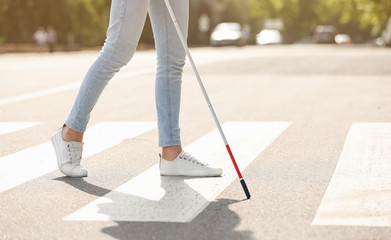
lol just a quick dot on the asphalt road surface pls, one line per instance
(310, 127)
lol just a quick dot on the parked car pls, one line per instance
(324, 34)
(343, 39)
(386, 36)
(228, 33)
(269, 36)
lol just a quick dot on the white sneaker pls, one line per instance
(187, 165)
(68, 156)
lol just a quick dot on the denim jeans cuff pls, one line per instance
(169, 143)
(74, 127)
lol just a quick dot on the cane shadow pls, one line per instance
(217, 221)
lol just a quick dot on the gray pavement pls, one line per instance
(319, 90)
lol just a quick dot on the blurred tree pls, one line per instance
(297, 15)
(235, 11)
(86, 21)
(356, 17)
(213, 9)
(368, 15)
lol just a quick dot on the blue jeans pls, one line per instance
(127, 18)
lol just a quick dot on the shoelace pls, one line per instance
(186, 156)
(75, 154)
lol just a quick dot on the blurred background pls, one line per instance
(28, 25)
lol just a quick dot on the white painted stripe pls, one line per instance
(7, 127)
(39, 94)
(359, 193)
(39, 160)
(64, 88)
(150, 197)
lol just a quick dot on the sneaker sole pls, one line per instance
(190, 173)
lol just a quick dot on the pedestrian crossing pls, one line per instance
(33, 162)
(67, 87)
(149, 197)
(358, 193)
(8, 127)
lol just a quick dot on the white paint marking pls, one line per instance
(7, 127)
(39, 160)
(39, 94)
(359, 193)
(149, 197)
(67, 87)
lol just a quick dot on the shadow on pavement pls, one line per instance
(217, 221)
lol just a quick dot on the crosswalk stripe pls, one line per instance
(359, 191)
(150, 197)
(37, 94)
(39, 160)
(8, 127)
(67, 87)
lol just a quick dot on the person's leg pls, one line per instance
(171, 59)
(127, 18)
